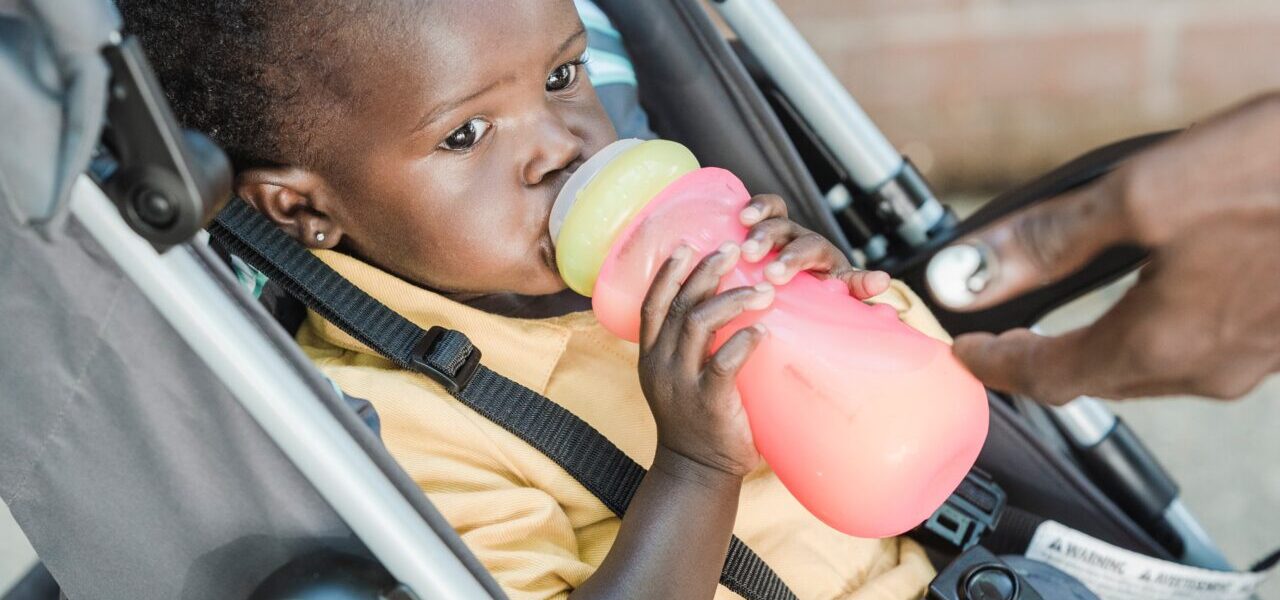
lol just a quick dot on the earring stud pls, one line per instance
(320, 236)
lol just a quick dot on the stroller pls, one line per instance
(165, 437)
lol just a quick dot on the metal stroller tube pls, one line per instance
(826, 105)
(896, 199)
(1112, 452)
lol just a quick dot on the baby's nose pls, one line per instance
(556, 150)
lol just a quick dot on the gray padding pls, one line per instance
(51, 74)
(128, 465)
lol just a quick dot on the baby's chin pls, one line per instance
(540, 281)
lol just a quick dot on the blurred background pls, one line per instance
(985, 94)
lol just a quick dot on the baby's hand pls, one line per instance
(801, 250)
(692, 392)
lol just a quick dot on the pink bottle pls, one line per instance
(870, 424)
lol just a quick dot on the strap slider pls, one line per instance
(423, 359)
(972, 510)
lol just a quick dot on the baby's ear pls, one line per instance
(295, 199)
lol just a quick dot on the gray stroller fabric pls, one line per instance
(132, 470)
(127, 464)
(53, 75)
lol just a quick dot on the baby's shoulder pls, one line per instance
(419, 420)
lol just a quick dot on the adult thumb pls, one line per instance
(1029, 249)
(1020, 361)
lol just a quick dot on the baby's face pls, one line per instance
(461, 141)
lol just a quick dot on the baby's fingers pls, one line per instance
(723, 367)
(766, 215)
(865, 284)
(699, 286)
(808, 252)
(767, 235)
(763, 207)
(663, 290)
(702, 323)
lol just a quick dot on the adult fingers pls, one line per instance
(1022, 362)
(1124, 354)
(1029, 249)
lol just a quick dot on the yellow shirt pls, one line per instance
(532, 525)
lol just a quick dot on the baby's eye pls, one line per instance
(467, 136)
(564, 76)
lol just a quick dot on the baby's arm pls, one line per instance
(676, 532)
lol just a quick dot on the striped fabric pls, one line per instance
(608, 61)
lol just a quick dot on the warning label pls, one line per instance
(1117, 574)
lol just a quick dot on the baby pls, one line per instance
(417, 147)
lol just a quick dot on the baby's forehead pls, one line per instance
(452, 46)
(403, 70)
(466, 32)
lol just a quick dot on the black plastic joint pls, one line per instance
(977, 574)
(1123, 462)
(969, 513)
(454, 383)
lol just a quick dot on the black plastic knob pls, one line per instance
(991, 583)
(155, 209)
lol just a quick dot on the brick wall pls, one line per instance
(986, 93)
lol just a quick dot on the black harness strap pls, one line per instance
(449, 358)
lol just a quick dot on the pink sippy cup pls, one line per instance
(869, 423)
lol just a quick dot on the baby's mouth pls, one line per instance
(559, 206)
(548, 251)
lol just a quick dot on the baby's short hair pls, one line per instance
(261, 77)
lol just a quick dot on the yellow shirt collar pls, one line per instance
(526, 350)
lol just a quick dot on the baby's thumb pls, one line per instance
(1028, 249)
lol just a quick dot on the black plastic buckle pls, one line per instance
(452, 382)
(977, 574)
(969, 513)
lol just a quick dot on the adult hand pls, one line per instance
(1204, 317)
